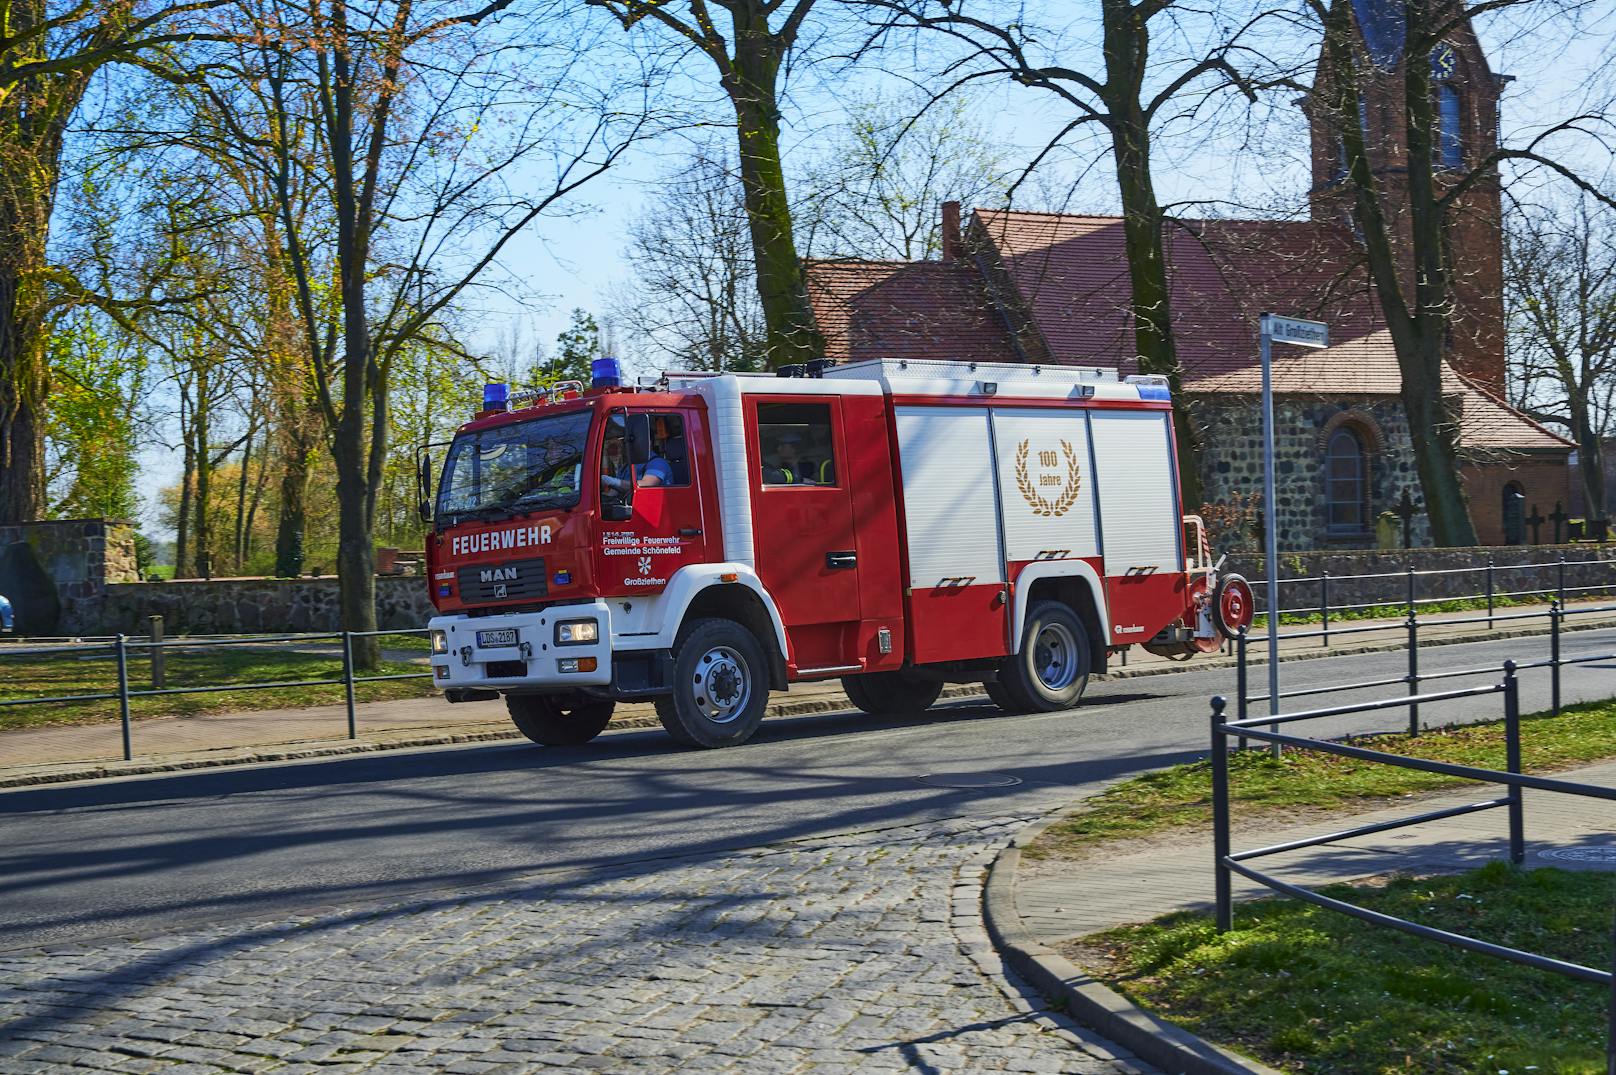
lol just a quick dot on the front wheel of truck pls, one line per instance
(559, 720)
(720, 685)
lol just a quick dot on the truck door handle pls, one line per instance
(690, 531)
(835, 560)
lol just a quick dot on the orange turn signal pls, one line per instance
(729, 576)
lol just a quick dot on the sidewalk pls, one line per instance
(80, 752)
(1042, 907)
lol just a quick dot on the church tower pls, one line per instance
(1466, 94)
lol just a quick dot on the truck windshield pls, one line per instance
(506, 470)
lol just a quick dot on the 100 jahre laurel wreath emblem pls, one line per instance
(1069, 488)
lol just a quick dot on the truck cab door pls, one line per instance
(666, 526)
(802, 518)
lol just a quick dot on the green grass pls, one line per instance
(1311, 990)
(67, 674)
(1181, 797)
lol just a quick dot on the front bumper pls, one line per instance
(532, 662)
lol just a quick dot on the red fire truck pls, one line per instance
(894, 524)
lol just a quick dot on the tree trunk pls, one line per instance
(182, 524)
(1590, 466)
(1417, 328)
(356, 552)
(203, 536)
(292, 518)
(241, 501)
(24, 383)
(752, 89)
(1127, 47)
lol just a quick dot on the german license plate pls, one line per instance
(504, 636)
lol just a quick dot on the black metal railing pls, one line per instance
(1556, 615)
(1227, 862)
(1553, 585)
(118, 647)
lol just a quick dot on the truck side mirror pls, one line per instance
(423, 485)
(637, 428)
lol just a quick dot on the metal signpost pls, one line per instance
(1275, 329)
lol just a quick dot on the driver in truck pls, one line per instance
(614, 472)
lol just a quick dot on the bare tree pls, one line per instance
(1407, 188)
(762, 35)
(1128, 94)
(693, 299)
(1560, 280)
(411, 118)
(874, 192)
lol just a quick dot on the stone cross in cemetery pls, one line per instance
(1536, 521)
(1559, 516)
(1406, 511)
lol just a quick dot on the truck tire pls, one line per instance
(720, 685)
(1000, 696)
(891, 693)
(1052, 667)
(559, 720)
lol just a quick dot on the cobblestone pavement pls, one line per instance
(863, 952)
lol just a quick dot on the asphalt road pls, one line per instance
(136, 857)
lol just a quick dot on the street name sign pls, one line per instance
(1296, 331)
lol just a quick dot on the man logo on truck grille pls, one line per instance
(1069, 485)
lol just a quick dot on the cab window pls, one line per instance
(669, 464)
(795, 439)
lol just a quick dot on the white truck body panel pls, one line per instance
(949, 497)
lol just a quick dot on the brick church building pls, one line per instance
(1015, 286)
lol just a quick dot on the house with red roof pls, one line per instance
(1053, 288)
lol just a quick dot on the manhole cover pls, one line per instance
(1580, 854)
(969, 780)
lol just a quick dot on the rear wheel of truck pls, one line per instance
(559, 720)
(720, 685)
(891, 693)
(1052, 667)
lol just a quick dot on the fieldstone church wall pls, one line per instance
(1232, 464)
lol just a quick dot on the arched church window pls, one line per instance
(1450, 139)
(1346, 483)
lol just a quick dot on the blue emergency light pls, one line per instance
(605, 373)
(496, 396)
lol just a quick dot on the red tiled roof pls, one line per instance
(1071, 275)
(1072, 272)
(1487, 422)
(905, 309)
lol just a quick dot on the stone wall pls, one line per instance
(1587, 565)
(195, 606)
(82, 557)
(1232, 464)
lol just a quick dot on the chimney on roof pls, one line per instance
(951, 230)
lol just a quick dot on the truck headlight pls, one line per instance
(574, 632)
(440, 642)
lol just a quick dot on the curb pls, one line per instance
(1153, 1039)
(293, 752)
